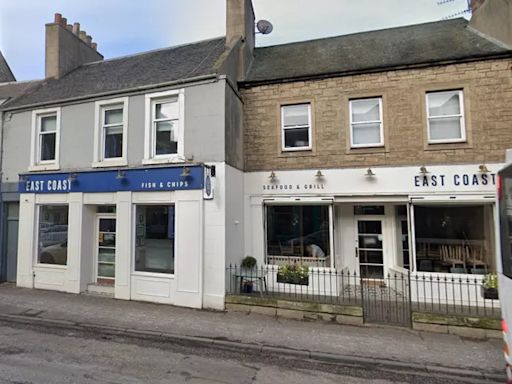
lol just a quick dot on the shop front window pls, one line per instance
(298, 234)
(53, 235)
(154, 238)
(454, 239)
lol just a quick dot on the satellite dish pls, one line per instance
(264, 27)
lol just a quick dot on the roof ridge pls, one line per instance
(152, 51)
(458, 19)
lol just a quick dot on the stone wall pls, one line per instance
(487, 87)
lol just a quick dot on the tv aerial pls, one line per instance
(264, 27)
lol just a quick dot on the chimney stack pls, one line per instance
(493, 18)
(67, 47)
(240, 25)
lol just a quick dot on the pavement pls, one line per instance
(388, 347)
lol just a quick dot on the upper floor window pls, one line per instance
(445, 117)
(366, 128)
(296, 127)
(45, 139)
(164, 127)
(110, 132)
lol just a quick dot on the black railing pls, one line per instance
(398, 291)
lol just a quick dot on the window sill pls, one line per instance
(297, 153)
(51, 266)
(110, 163)
(44, 167)
(447, 145)
(160, 275)
(164, 160)
(364, 150)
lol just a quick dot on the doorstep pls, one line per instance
(101, 290)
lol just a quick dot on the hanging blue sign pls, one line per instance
(136, 180)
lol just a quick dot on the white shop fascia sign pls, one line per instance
(385, 181)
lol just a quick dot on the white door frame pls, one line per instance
(97, 219)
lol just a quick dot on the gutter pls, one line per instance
(134, 90)
(255, 83)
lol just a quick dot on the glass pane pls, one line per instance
(454, 239)
(370, 227)
(106, 209)
(167, 110)
(298, 232)
(371, 257)
(48, 146)
(370, 241)
(368, 210)
(106, 270)
(366, 134)
(372, 272)
(107, 225)
(53, 234)
(365, 110)
(113, 142)
(48, 124)
(106, 255)
(297, 137)
(107, 239)
(443, 103)
(296, 115)
(154, 240)
(166, 140)
(114, 116)
(447, 128)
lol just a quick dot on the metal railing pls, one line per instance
(398, 290)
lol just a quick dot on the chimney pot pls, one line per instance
(82, 36)
(94, 46)
(57, 18)
(69, 27)
(76, 28)
(88, 39)
(63, 21)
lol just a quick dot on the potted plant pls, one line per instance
(293, 274)
(247, 270)
(490, 286)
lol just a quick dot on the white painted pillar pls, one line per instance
(124, 244)
(75, 242)
(26, 238)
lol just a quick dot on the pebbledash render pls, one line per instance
(376, 153)
(121, 171)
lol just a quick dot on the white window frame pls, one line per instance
(150, 156)
(460, 115)
(136, 202)
(283, 129)
(380, 121)
(36, 256)
(36, 164)
(100, 107)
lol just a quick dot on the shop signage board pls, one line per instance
(135, 180)
(389, 180)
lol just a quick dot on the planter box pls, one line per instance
(293, 279)
(489, 293)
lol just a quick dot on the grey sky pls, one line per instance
(122, 27)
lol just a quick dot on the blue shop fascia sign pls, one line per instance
(134, 180)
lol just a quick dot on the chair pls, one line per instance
(454, 255)
(476, 259)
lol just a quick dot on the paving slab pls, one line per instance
(380, 343)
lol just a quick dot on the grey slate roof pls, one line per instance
(6, 74)
(375, 50)
(115, 75)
